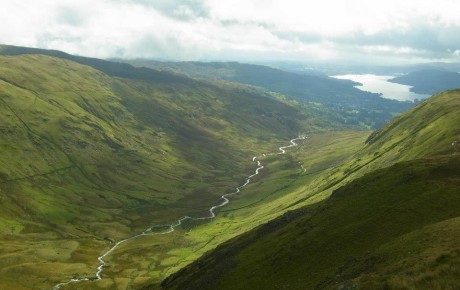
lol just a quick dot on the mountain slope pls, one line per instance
(311, 88)
(429, 81)
(428, 130)
(359, 230)
(390, 223)
(114, 69)
(88, 159)
(338, 99)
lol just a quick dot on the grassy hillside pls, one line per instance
(285, 181)
(388, 230)
(338, 99)
(114, 69)
(429, 81)
(391, 220)
(87, 159)
(95, 152)
(312, 88)
(428, 130)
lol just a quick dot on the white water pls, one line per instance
(380, 84)
(171, 227)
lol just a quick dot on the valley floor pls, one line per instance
(286, 182)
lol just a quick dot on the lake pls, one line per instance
(380, 84)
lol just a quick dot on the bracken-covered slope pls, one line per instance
(87, 159)
(392, 224)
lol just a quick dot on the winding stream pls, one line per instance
(171, 227)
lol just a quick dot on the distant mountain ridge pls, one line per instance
(111, 68)
(333, 96)
(429, 81)
(310, 88)
(338, 99)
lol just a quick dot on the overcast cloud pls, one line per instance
(331, 30)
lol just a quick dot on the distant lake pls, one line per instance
(380, 84)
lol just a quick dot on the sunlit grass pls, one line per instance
(92, 159)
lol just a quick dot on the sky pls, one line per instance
(363, 31)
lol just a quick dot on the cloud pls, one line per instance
(183, 10)
(397, 31)
(69, 16)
